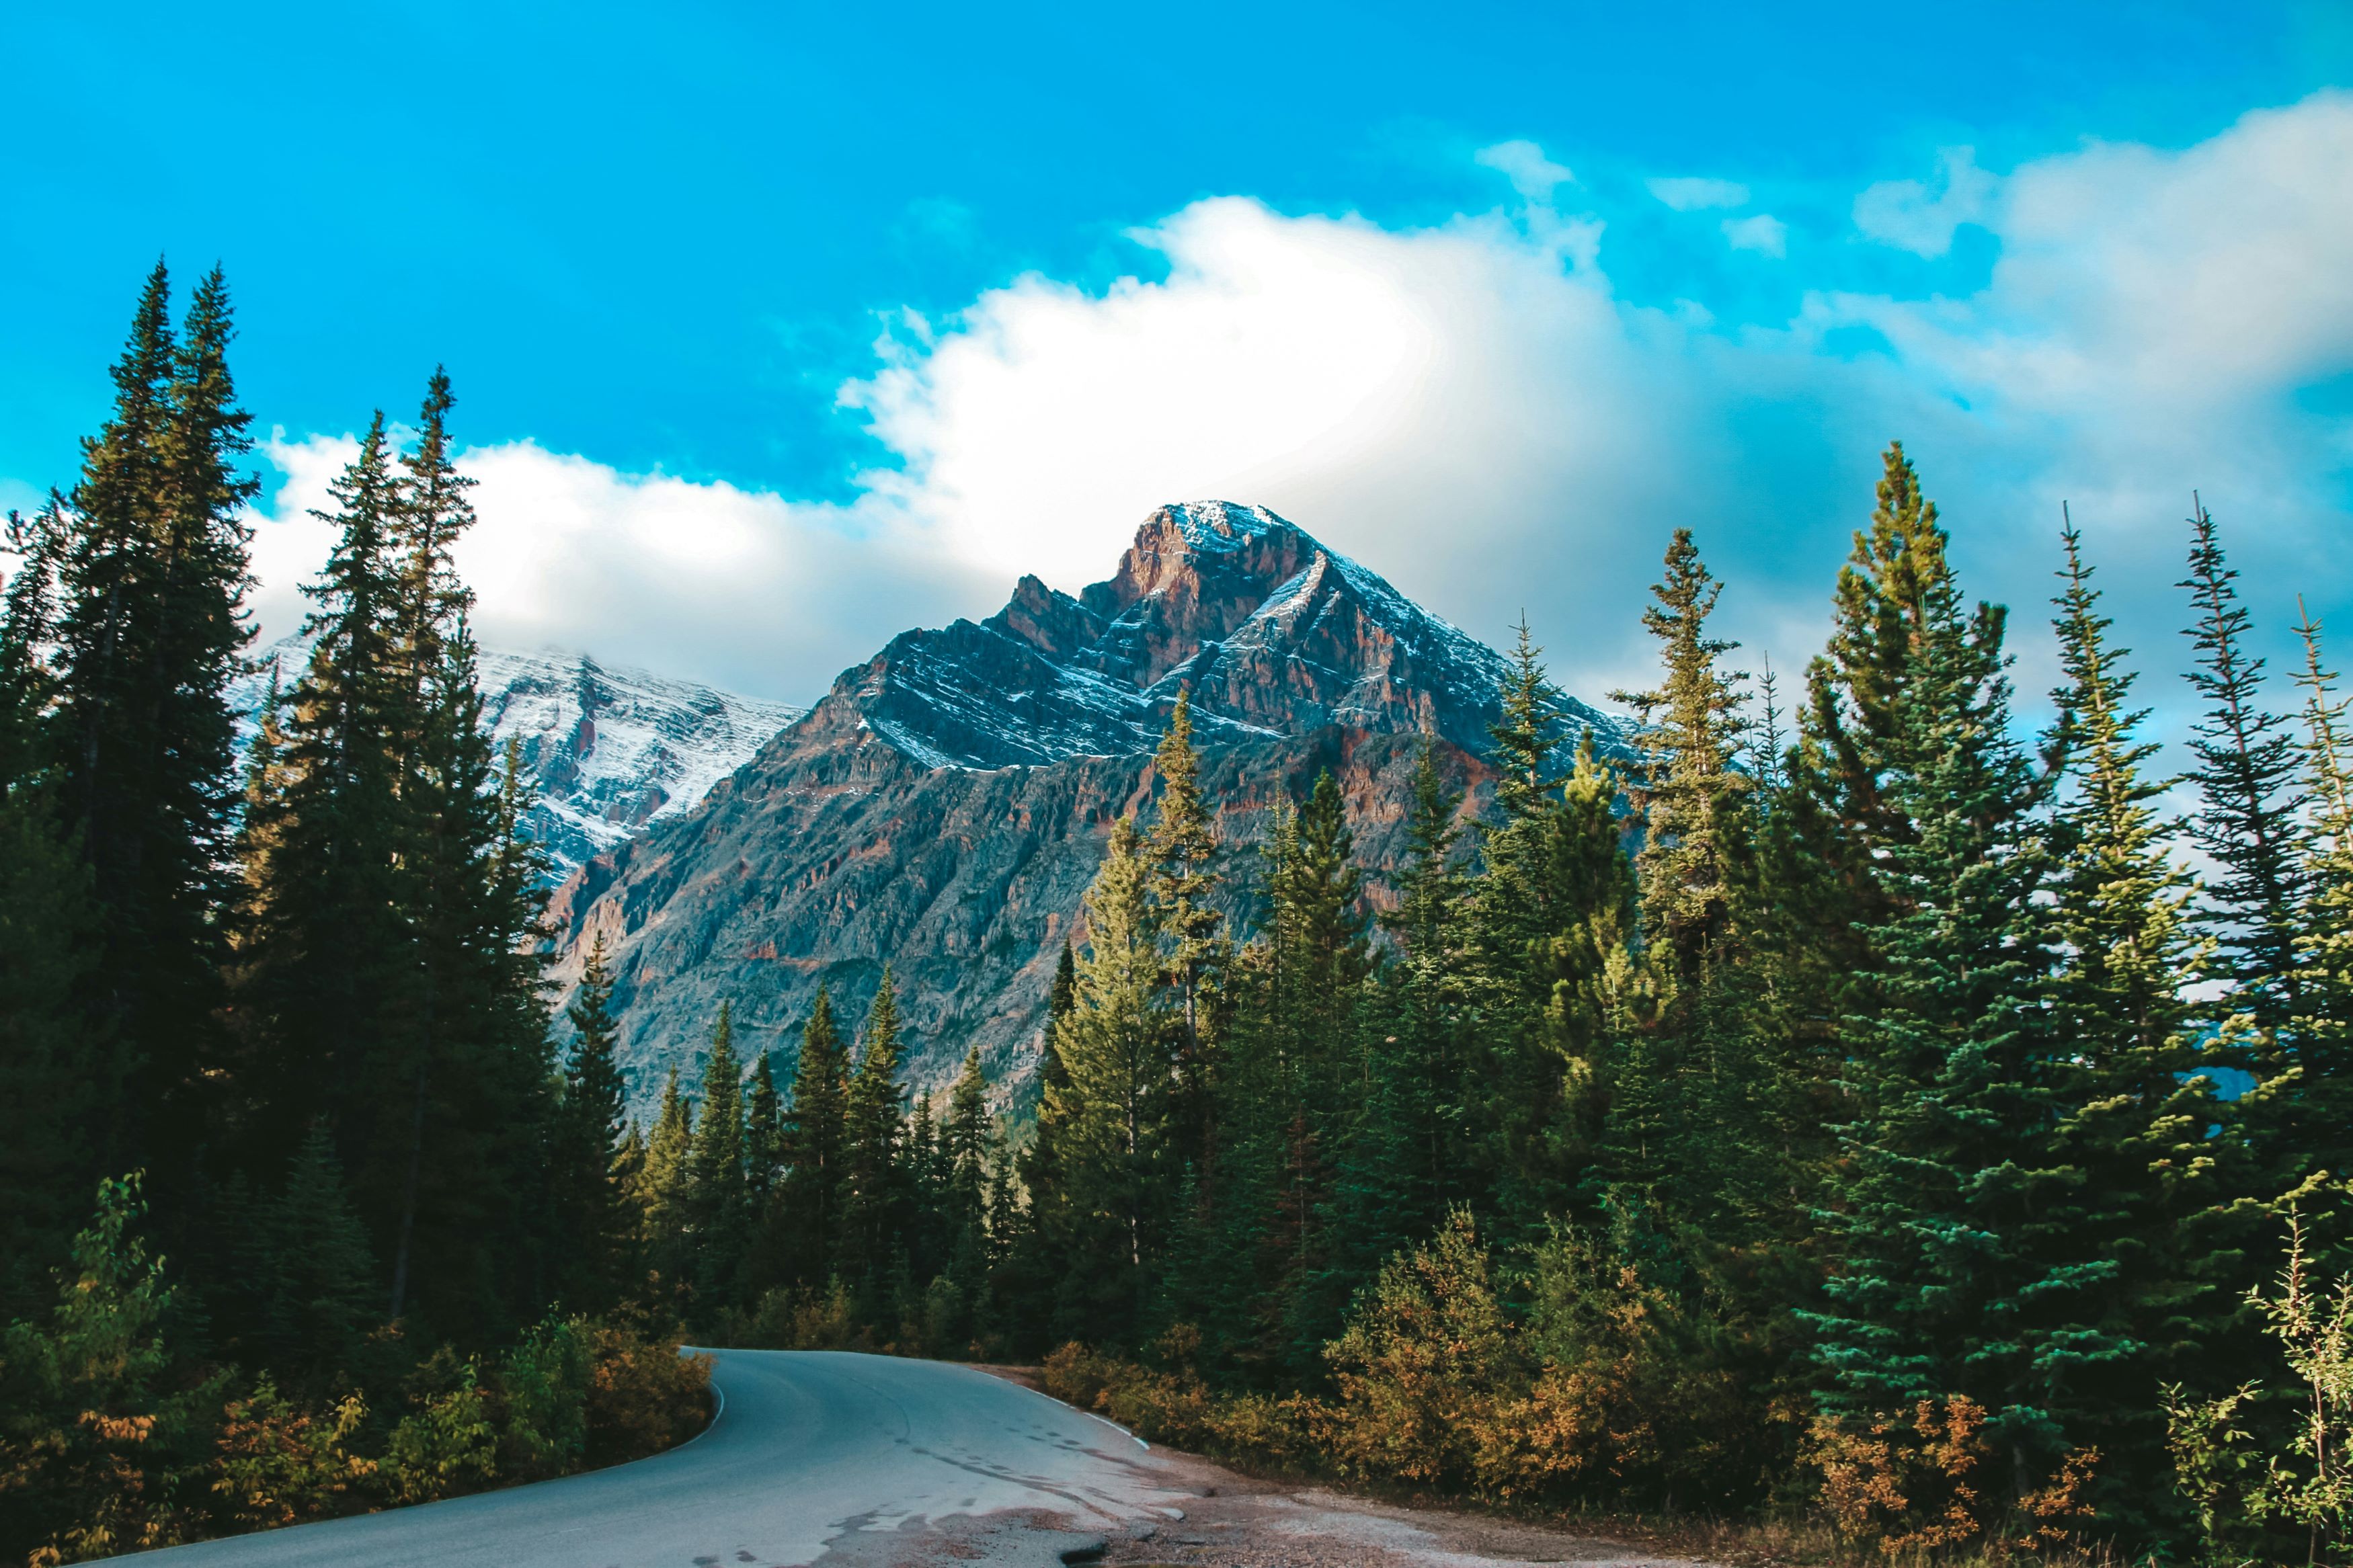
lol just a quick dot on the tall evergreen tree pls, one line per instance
(1941, 1286)
(721, 1188)
(2251, 799)
(665, 1186)
(60, 1077)
(817, 1136)
(1689, 741)
(1110, 1121)
(2134, 1112)
(596, 1239)
(148, 636)
(873, 1192)
(1181, 848)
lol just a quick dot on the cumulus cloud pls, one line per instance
(1698, 194)
(1921, 217)
(1765, 234)
(741, 589)
(1477, 411)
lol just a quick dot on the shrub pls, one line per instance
(542, 1385)
(448, 1443)
(643, 1395)
(1428, 1370)
(104, 1440)
(279, 1465)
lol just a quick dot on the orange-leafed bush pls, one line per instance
(643, 1394)
(1914, 1479)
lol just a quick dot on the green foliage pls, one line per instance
(102, 1432)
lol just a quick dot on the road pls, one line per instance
(816, 1458)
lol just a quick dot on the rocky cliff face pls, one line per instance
(945, 805)
(609, 749)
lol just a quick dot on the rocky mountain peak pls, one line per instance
(1274, 634)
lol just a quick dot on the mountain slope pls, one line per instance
(610, 750)
(946, 805)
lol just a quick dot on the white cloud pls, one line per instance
(1473, 410)
(1698, 194)
(1914, 215)
(1533, 174)
(1765, 234)
(742, 589)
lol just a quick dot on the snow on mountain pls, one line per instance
(610, 749)
(943, 807)
(1274, 634)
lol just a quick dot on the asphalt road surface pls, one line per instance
(816, 1458)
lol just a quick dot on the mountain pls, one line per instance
(943, 807)
(610, 750)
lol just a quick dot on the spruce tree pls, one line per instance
(2321, 1103)
(321, 948)
(722, 1199)
(1110, 1121)
(1181, 848)
(148, 636)
(817, 1136)
(307, 1283)
(764, 1133)
(2251, 799)
(2133, 1240)
(873, 1191)
(1944, 1282)
(59, 1077)
(1690, 737)
(597, 1239)
(665, 1186)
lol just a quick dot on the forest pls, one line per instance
(1868, 1112)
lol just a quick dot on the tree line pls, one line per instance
(1863, 1110)
(284, 1228)
(1860, 1110)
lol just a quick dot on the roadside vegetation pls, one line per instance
(1851, 1121)
(292, 1201)
(1857, 1123)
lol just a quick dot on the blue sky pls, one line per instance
(781, 327)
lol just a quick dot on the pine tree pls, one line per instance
(2134, 1112)
(2321, 1105)
(1692, 727)
(1110, 1121)
(817, 1136)
(148, 636)
(307, 1280)
(597, 1240)
(1942, 1285)
(665, 1185)
(59, 1077)
(873, 1193)
(1181, 848)
(721, 1198)
(2250, 820)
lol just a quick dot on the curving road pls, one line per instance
(816, 1458)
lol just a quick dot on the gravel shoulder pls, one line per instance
(1213, 1517)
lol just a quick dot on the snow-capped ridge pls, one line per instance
(1271, 631)
(610, 749)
